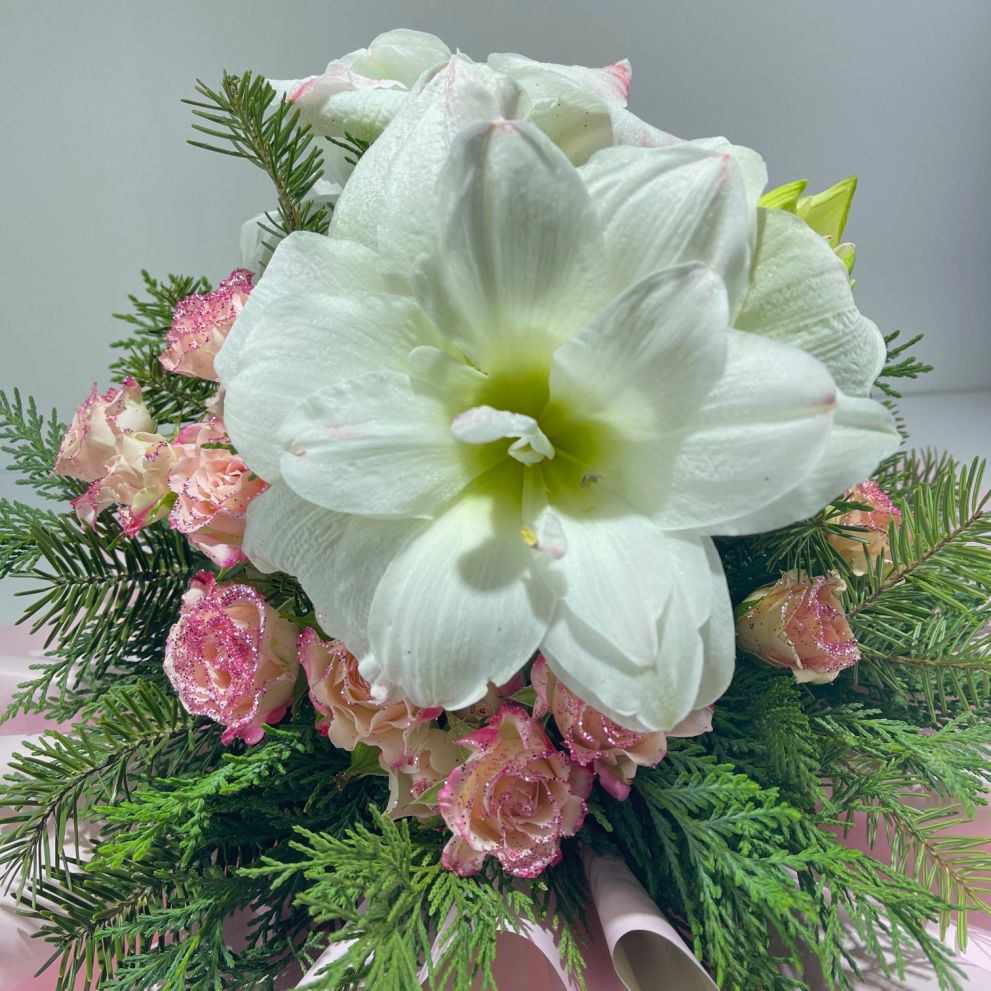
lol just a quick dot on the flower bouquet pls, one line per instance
(531, 492)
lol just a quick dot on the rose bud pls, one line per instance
(515, 798)
(90, 443)
(429, 757)
(213, 488)
(799, 623)
(860, 550)
(352, 714)
(200, 325)
(136, 481)
(232, 657)
(613, 752)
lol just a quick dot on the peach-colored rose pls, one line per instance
(799, 623)
(232, 657)
(860, 550)
(430, 755)
(213, 488)
(515, 798)
(480, 712)
(200, 325)
(136, 481)
(613, 752)
(352, 714)
(90, 443)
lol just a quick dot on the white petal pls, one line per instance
(339, 560)
(388, 203)
(302, 343)
(549, 80)
(458, 607)
(752, 168)
(372, 447)
(800, 294)
(516, 269)
(862, 435)
(401, 54)
(646, 697)
(649, 359)
(628, 129)
(665, 206)
(718, 635)
(302, 263)
(483, 425)
(758, 434)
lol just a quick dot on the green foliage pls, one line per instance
(403, 913)
(247, 120)
(31, 441)
(170, 398)
(900, 364)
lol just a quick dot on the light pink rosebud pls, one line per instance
(860, 550)
(480, 712)
(613, 752)
(515, 798)
(232, 657)
(799, 623)
(353, 715)
(136, 482)
(90, 443)
(200, 325)
(430, 755)
(213, 488)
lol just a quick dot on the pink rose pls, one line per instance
(480, 712)
(799, 623)
(90, 443)
(593, 739)
(859, 550)
(232, 657)
(136, 481)
(515, 798)
(353, 715)
(429, 757)
(213, 488)
(200, 325)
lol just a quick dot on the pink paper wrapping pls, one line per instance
(633, 947)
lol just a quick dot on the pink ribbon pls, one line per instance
(632, 946)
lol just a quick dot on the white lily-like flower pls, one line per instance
(503, 407)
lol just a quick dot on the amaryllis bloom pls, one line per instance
(514, 799)
(861, 548)
(213, 488)
(90, 443)
(200, 324)
(799, 623)
(136, 482)
(231, 657)
(429, 756)
(592, 739)
(504, 405)
(353, 714)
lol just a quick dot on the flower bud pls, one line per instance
(860, 550)
(799, 623)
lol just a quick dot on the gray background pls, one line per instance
(96, 180)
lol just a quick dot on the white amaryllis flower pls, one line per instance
(503, 406)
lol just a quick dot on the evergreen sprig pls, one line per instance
(250, 122)
(900, 364)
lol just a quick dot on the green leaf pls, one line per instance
(784, 197)
(827, 212)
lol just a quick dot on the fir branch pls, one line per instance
(250, 122)
(900, 364)
(18, 524)
(170, 398)
(32, 441)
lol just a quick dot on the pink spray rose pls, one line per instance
(232, 657)
(200, 325)
(352, 714)
(90, 443)
(213, 488)
(860, 550)
(515, 798)
(799, 623)
(613, 752)
(137, 480)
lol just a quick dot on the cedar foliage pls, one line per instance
(134, 837)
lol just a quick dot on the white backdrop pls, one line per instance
(96, 180)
